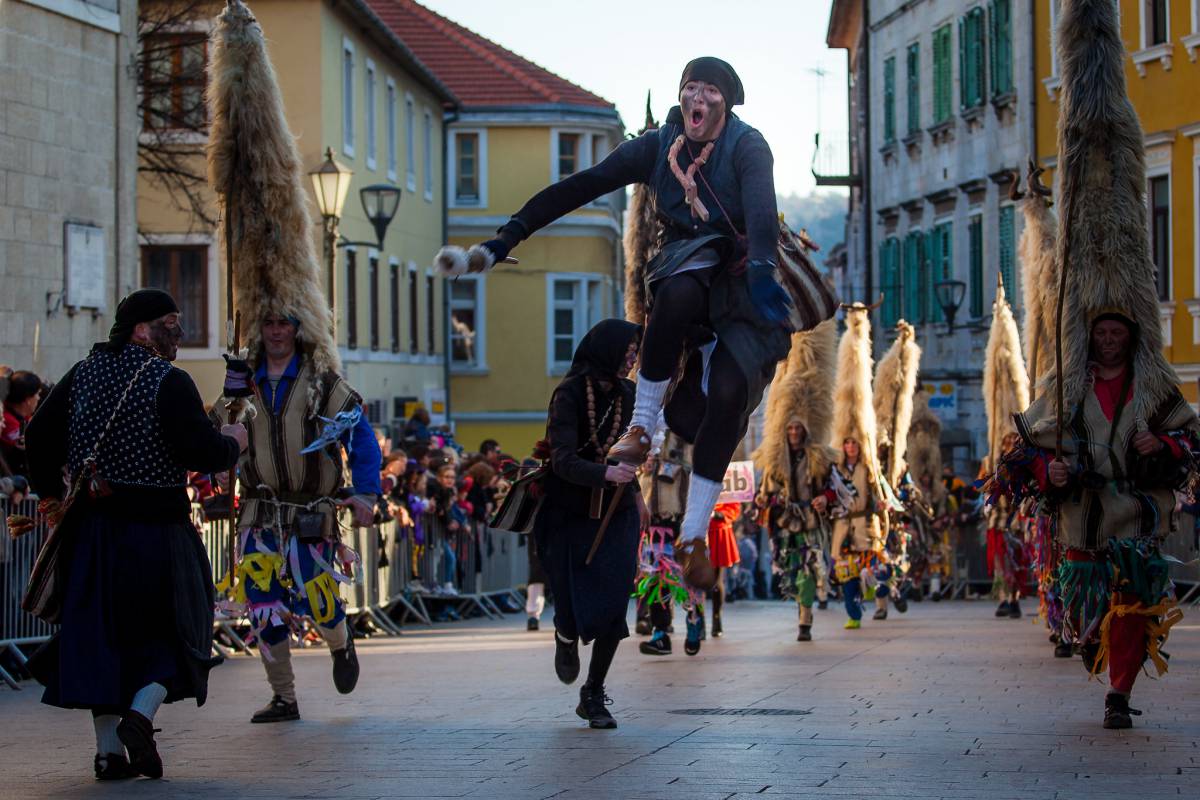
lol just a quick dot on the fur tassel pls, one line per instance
(451, 261)
(1005, 381)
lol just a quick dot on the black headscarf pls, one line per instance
(601, 352)
(717, 72)
(144, 305)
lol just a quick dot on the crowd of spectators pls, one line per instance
(20, 393)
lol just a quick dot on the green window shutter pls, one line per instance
(971, 58)
(963, 62)
(979, 57)
(1003, 79)
(932, 263)
(914, 87)
(910, 308)
(890, 280)
(889, 100)
(1008, 253)
(942, 76)
(975, 242)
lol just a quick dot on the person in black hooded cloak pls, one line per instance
(588, 411)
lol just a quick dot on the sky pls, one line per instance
(619, 49)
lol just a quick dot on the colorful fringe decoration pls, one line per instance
(660, 577)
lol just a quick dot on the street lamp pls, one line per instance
(950, 295)
(331, 184)
(379, 202)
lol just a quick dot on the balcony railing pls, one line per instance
(831, 160)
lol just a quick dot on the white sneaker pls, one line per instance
(448, 588)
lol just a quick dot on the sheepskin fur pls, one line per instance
(853, 409)
(641, 243)
(1005, 381)
(451, 261)
(254, 166)
(1039, 283)
(895, 381)
(803, 391)
(924, 445)
(1102, 210)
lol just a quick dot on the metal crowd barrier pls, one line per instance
(17, 628)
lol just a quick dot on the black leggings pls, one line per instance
(680, 303)
(717, 593)
(604, 648)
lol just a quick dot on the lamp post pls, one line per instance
(331, 184)
(950, 295)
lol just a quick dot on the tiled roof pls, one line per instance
(478, 71)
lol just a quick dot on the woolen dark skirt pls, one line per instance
(138, 609)
(589, 600)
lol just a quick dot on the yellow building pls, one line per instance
(518, 129)
(350, 84)
(1162, 38)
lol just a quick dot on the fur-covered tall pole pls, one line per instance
(640, 240)
(1103, 245)
(1005, 381)
(255, 168)
(895, 382)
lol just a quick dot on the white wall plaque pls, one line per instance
(85, 252)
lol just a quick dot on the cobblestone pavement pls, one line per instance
(944, 701)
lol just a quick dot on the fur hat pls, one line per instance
(802, 392)
(853, 409)
(895, 381)
(1005, 381)
(924, 448)
(1102, 209)
(254, 166)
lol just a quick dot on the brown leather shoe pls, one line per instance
(632, 448)
(698, 571)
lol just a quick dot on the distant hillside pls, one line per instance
(822, 213)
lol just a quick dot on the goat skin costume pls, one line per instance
(1128, 436)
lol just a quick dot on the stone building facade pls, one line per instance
(68, 166)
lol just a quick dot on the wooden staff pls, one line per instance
(608, 515)
(1062, 293)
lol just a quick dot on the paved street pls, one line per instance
(942, 702)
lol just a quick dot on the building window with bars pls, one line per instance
(889, 101)
(1000, 47)
(394, 304)
(1008, 253)
(1160, 232)
(576, 304)
(466, 168)
(466, 322)
(351, 299)
(430, 316)
(373, 291)
(890, 281)
(942, 75)
(975, 265)
(173, 80)
(913, 81)
(970, 57)
(181, 271)
(414, 312)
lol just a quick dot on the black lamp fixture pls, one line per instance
(950, 295)
(379, 202)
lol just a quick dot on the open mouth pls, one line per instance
(697, 117)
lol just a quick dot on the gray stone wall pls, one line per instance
(68, 149)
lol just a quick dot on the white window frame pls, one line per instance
(213, 349)
(348, 98)
(1144, 30)
(585, 150)
(427, 142)
(452, 168)
(1191, 42)
(370, 112)
(1159, 171)
(148, 136)
(410, 142)
(392, 131)
(584, 279)
(480, 367)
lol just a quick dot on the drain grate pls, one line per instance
(741, 712)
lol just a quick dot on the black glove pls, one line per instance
(239, 379)
(769, 297)
(498, 248)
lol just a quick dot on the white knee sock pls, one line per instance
(535, 601)
(107, 741)
(148, 699)
(648, 403)
(701, 500)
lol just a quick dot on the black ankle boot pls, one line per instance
(805, 634)
(278, 710)
(112, 767)
(137, 734)
(345, 667)
(1002, 610)
(566, 659)
(660, 645)
(592, 706)
(1014, 610)
(1117, 713)
(1063, 650)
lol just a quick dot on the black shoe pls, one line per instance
(1063, 650)
(1002, 610)
(695, 632)
(643, 627)
(1054, 639)
(532, 624)
(805, 634)
(566, 659)
(880, 613)
(717, 630)
(345, 668)
(823, 605)
(115, 767)
(659, 646)
(935, 597)
(278, 710)
(137, 734)
(592, 702)
(900, 603)
(1014, 610)
(1117, 713)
